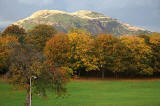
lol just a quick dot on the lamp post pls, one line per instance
(31, 89)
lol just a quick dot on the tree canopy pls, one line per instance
(15, 30)
(40, 34)
(5, 51)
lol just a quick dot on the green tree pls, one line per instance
(40, 34)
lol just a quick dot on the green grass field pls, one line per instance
(91, 93)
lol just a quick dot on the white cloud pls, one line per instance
(36, 2)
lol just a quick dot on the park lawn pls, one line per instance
(91, 93)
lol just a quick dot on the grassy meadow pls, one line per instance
(91, 93)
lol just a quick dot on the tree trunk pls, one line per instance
(97, 73)
(87, 74)
(102, 74)
(28, 98)
(79, 73)
(116, 74)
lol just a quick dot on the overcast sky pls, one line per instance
(141, 13)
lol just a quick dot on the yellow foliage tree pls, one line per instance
(140, 54)
(155, 45)
(108, 49)
(82, 51)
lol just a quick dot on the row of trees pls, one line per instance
(129, 55)
(79, 51)
(47, 58)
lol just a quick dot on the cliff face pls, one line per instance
(94, 22)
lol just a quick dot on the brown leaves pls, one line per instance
(14, 30)
(57, 49)
(5, 47)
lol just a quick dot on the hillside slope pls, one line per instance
(93, 22)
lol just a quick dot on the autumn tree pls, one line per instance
(15, 30)
(0, 34)
(139, 55)
(155, 46)
(40, 34)
(81, 49)
(57, 49)
(106, 47)
(29, 69)
(4, 51)
(119, 56)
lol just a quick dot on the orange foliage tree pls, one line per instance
(4, 51)
(57, 49)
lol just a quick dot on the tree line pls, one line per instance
(79, 51)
